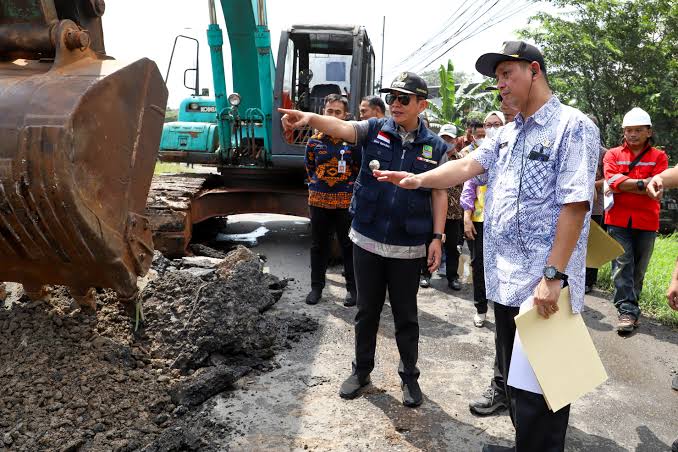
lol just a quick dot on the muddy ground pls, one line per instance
(74, 380)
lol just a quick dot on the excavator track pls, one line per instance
(178, 201)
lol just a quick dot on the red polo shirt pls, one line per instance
(640, 209)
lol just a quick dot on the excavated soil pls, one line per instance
(71, 380)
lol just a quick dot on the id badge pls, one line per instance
(341, 168)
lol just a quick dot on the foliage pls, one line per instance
(459, 102)
(171, 115)
(607, 56)
(653, 297)
(432, 77)
(172, 168)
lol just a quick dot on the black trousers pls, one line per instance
(374, 275)
(592, 273)
(478, 269)
(454, 231)
(537, 428)
(324, 222)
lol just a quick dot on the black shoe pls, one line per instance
(314, 296)
(412, 396)
(497, 448)
(424, 282)
(454, 284)
(490, 402)
(588, 289)
(674, 447)
(350, 388)
(350, 299)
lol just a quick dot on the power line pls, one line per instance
(466, 25)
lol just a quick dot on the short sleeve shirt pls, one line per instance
(533, 167)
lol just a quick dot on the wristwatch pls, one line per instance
(439, 236)
(551, 273)
(640, 183)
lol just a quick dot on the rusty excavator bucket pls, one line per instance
(79, 134)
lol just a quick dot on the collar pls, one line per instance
(541, 116)
(321, 136)
(394, 129)
(626, 147)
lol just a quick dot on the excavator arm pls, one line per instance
(79, 134)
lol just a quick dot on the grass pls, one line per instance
(162, 168)
(653, 297)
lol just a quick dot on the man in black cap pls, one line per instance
(540, 172)
(391, 225)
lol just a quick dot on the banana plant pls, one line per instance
(458, 102)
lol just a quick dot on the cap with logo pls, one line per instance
(448, 129)
(512, 51)
(636, 117)
(408, 83)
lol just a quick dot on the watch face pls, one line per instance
(550, 272)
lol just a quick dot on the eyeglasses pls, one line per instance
(487, 125)
(404, 99)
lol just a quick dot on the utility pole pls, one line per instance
(383, 31)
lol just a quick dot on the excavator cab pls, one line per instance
(313, 62)
(79, 134)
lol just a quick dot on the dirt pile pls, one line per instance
(75, 381)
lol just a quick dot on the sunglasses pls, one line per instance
(404, 99)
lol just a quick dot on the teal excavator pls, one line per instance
(244, 131)
(80, 134)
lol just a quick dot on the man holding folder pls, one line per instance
(540, 172)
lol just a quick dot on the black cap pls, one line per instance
(408, 83)
(512, 51)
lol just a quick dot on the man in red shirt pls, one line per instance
(633, 218)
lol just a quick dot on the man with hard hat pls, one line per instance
(632, 218)
(540, 170)
(391, 226)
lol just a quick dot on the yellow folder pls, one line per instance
(561, 353)
(601, 248)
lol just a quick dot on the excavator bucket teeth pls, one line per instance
(79, 136)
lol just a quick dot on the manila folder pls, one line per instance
(561, 353)
(601, 248)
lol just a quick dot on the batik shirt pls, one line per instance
(328, 186)
(533, 167)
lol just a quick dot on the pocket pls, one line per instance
(537, 175)
(378, 152)
(419, 166)
(364, 202)
(419, 225)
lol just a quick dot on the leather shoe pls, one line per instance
(454, 284)
(412, 396)
(350, 388)
(350, 299)
(314, 296)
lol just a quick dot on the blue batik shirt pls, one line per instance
(532, 168)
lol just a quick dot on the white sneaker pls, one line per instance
(479, 320)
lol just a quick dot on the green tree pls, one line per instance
(459, 101)
(608, 56)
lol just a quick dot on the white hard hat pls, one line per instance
(636, 117)
(448, 129)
